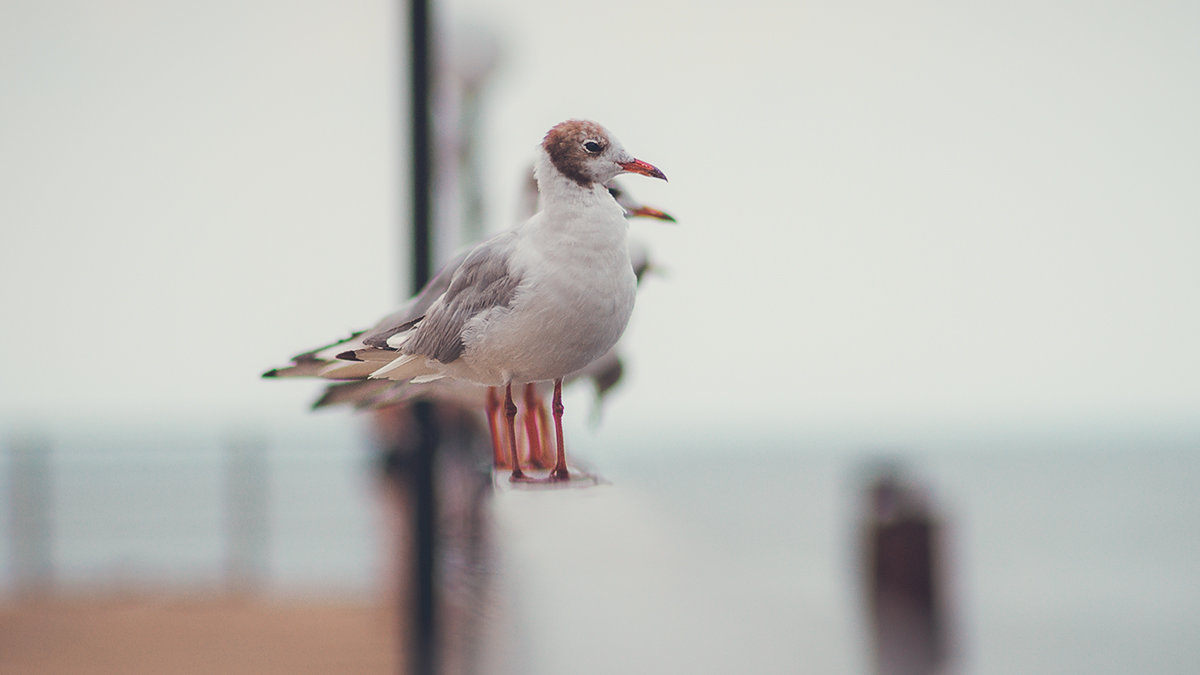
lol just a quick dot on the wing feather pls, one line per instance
(484, 281)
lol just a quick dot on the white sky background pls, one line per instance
(924, 214)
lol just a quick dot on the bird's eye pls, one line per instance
(592, 147)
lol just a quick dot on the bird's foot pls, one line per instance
(519, 476)
(536, 480)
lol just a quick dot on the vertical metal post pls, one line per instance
(31, 514)
(246, 512)
(422, 142)
(426, 636)
(424, 641)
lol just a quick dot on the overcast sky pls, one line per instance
(939, 212)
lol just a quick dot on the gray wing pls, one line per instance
(482, 282)
(414, 310)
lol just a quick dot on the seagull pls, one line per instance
(533, 304)
(360, 393)
(364, 393)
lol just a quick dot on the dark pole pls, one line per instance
(422, 142)
(425, 636)
(424, 643)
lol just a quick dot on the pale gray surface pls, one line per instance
(1076, 559)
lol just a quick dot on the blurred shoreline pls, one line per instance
(1085, 536)
(136, 633)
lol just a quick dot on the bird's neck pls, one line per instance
(561, 194)
(577, 221)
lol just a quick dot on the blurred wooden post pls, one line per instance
(31, 514)
(246, 512)
(903, 579)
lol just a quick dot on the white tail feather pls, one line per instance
(404, 369)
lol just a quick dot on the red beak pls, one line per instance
(649, 212)
(638, 166)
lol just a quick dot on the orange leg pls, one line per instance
(533, 408)
(510, 413)
(499, 461)
(547, 433)
(560, 464)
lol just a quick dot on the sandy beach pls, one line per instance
(154, 635)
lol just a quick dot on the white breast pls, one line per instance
(574, 302)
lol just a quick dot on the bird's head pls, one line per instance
(587, 154)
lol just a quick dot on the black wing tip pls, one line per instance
(274, 372)
(348, 356)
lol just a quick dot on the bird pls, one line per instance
(532, 304)
(317, 362)
(362, 393)
(604, 372)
